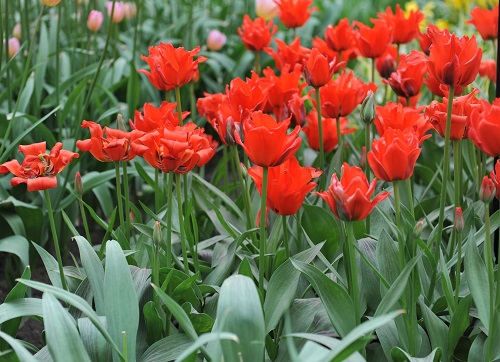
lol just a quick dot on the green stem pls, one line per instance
(127, 200)
(262, 246)
(50, 212)
(373, 70)
(119, 193)
(157, 191)
(84, 220)
(488, 259)
(179, 106)
(397, 207)
(58, 49)
(410, 197)
(367, 167)
(257, 62)
(169, 219)
(178, 187)
(7, 75)
(457, 172)
(352, 271)
(285, 236)
(125, 347)
(2, 37)
(27, 67)
(458, 267)
(192, 102)
(136, 29)
(320, 139)
(340, 141)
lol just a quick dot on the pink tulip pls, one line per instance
(119, 12)
(95, 19)
(215, 40)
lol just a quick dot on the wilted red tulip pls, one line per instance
(256, 34)
(485, 21)
(452, 61)
(153, 118)
(288, 184)
(462, 108)
(294, 13)
(394, 115)
(39, 169)
(330, 138)
(487, 190)
(266, 141)
(495, 177)
(318, 70)
(407, 80)
(488, 68)
(113, 147)
(171, 67)
(405, 28)
(394, 155)
(373, 42)
(485, 128)
(340, 37)
(292, 54)
(342, 95)
(350, 198)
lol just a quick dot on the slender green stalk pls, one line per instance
(1, 36)
(125, 347)
(262, 246)
(181, 222)
(373, 70)
(285, 236)
(321, 164)
(170, 186)
(410, 197)
(7, 75)
(488, 259)
(179, 106)
(225, 175)
(23, 84)
(84, 220)
(368, 144)
(458, 267)
(157, 191)
(126, 193)
(192, 102)
(352, 271)
(26, 18)
(52, 223)
(58, 49)
(446, 175)
(136, 29)
(397, 207)
(256, 65)
(457, 172)
(119, 193)
(397, 61)
(340, 141)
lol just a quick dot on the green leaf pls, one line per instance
(63, 339)
(387, 256)
(477, 279)
(18, 347)
(204, 339)
(17, 245)
(337, 302)
(120, 299)
(459, 323)
(20, 308)
(167, 349)
(282, 287)
(94, 342)
(436, 328)
(397, 288)
(94, 270)
(320, 226)
(398, 355)
(239, 311)
(50, 264)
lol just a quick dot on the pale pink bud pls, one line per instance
(50, 2)
(266, 9)
(16, 32)
(129, 9)
(95, 19)
(215, 40)
(14, 46)
(118, 13)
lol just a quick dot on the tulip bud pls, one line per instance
(94, 21)
(50, 2)
(157, 234)
(16, 32)
(266, 9)
(487, 190)
(118, 12)
(78, 184)
(215, 40)
(14, 46)
(459, 220)
(362, 159)
(417, 230)
(368, 111)
(129, 10)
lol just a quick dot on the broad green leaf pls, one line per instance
(398, 355)
(282, 287)
(167, 349)
(337, 302)
(329, 342)
(477, 279)
(50, 264)
(94, 270)
(204, 339)
(459, 323)
(313, 352)
(18, 347)
(23, 307)
(387, 257)
(320, 226)
(17, 245)
(94, 342)
(63, 339)
(120, 299)
(438, 331)
(240, 312)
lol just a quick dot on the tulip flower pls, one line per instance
(266, 9)
(153, 118)
(294, 13)
(407, 80)
(94, 21)
(405, 27)
(266, 141)
(129, 10)
(340, 37)
(289, 183)
(485, 21)
(485, 128)
(38, 169)
(171, 67)
(350, 198)
(256, 34)
(488, 68)
(318, 71)
(394, 155)
(16, 31)
(118, 12)
(293, 54)
(386, 64)
(330, 138)
(14, 46)
(373, 42)
(495, 177)
(216, 40)
(396, 116)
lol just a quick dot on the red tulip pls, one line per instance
(294, 13)
(487, 190)
(115, 146)
(288, 184)
(407, 80)
(386, 64)
(171, 67)
(266, 141)
(349, 198)
(405, 28)
(317, 70)
(153, 118)
(340, 37)
(495, 177)
(440, 90)
(485, 21)
(331, 54)
(39, 169)
(373, 42)
(256, 34)
(488, 68)
(330, 138)
(462, 108)
(485, 128)
(397, 116)
(292, 54)
(394, 155)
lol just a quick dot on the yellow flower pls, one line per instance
(427, 10)
(50, 2)
(442, 24)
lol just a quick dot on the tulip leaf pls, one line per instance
(438, 331)
(320, 226)
(398, 355)
(17, 245)
(167, 349)
(22, 353)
